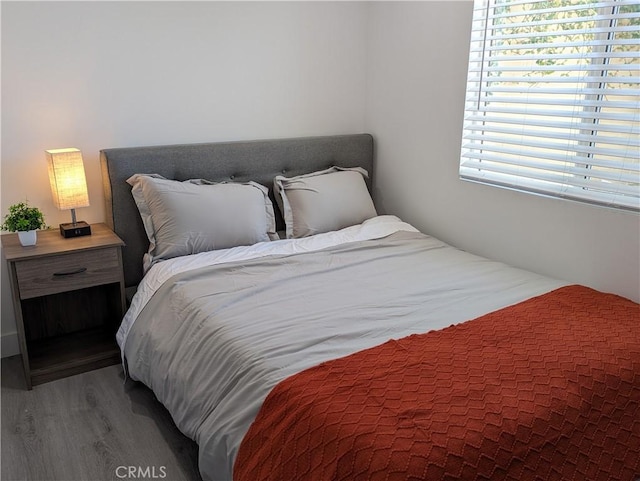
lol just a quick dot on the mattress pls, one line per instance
(213, 333)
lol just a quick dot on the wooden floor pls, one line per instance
(84, 427)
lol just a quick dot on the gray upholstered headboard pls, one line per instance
(258, 160)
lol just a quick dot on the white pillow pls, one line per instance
(324, 201)
(182, 218)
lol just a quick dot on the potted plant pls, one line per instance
(24, 220)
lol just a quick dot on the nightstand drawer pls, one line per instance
(66, 272)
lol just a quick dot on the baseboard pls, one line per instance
(9, 344)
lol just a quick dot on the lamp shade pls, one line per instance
(68, 182)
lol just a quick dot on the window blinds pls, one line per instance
(553, 99)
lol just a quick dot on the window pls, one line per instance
(553, 99)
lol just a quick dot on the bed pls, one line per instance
(369, 351)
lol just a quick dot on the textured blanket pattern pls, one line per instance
(548, 389)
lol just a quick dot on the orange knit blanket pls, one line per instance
(548, 389)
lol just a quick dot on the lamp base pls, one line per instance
(75, 229)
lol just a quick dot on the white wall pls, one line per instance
(416, 72)
(119, 74)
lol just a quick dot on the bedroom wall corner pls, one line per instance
(416, 71)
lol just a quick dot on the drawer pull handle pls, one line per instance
(71, 272)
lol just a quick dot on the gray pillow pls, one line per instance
(324, 201)
(182, 218)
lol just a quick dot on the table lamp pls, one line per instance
(69, 188)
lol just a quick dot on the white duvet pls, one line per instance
(226, 326)
(375, 228)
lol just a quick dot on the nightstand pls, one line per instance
(68, 296)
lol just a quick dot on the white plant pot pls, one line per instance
(28, 237)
